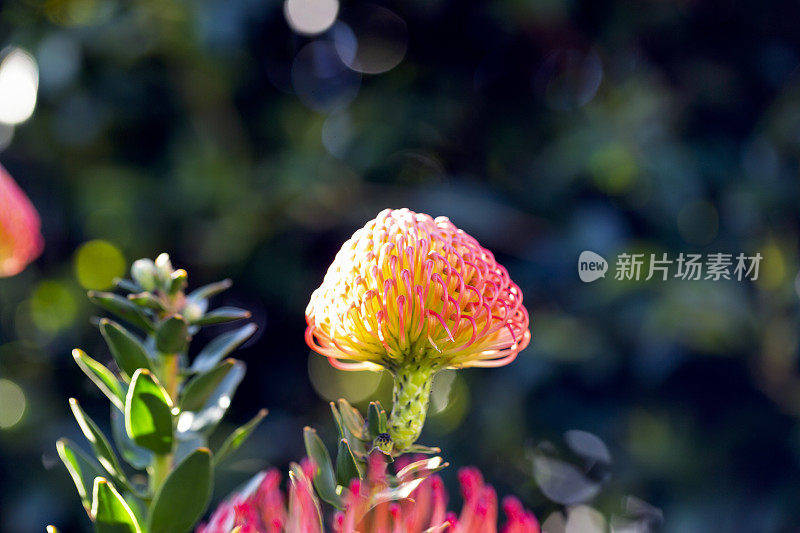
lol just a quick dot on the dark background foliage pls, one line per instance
(211, 130)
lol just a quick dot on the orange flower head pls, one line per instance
(20, 238)
(408, 289)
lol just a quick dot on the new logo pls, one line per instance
(591, 266)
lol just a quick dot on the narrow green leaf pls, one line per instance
(110, 511)
(220, 347)
(102, 449)
(183, 498)
(128, 351)
(147, 299)
(237, 438)
(148, 416)
(222, 315)
(206, 418)
(135, 455)
(172, 335)
(101, 376)
(419, 448)
(346, 466)
(123, 308)
(352, 419)
(324, 479)
(127, 285)
(337, 417)
(81, 468)
(207, 291)
(199, 390)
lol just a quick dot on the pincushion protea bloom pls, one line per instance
(261, 507)
(20, 239)
(413, 294)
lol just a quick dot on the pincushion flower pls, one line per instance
(20, 239)
(262, 508)
(413, 294)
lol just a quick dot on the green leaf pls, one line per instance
(207, 291)
(102, 449)
(324, 479)
(206, 418)
(134, 454)
(376, 419)
(237, 438)
(148, 300)
(128, 285)
(111, 513)
(123, 308)
(419, 448)
(81, 468)
(148, 416)
(222, 315)
(220, 347)
(101, 376)
(352, 419)
(172, 335)
(346, 466)
(182, 499)
(128, 351)
(199, 390)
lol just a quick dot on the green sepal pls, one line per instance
(376, 419)
(101, 376)
(352, 419)
(238, 437)
(127, 350)
(110, 512)
(148, 413)
(102, 449)
(82, 469)
(123, 308)
(346, 466)
(199, 390)
(127, 285)
(220, 347)
(172, 335)
(221, 315)
(324, 478)
(183, 497)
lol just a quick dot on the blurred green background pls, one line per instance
(222, 132)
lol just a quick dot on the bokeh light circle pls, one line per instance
(12, 403)
(310, 17)
(98, 263)
(321, 80)
(19, 84)
(569, 79)
(372, 40)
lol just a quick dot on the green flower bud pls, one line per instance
(143, 272)
(384, 443)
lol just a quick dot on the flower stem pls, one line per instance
(412, 389)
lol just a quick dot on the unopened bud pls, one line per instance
(384, 443)
(143, 272)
